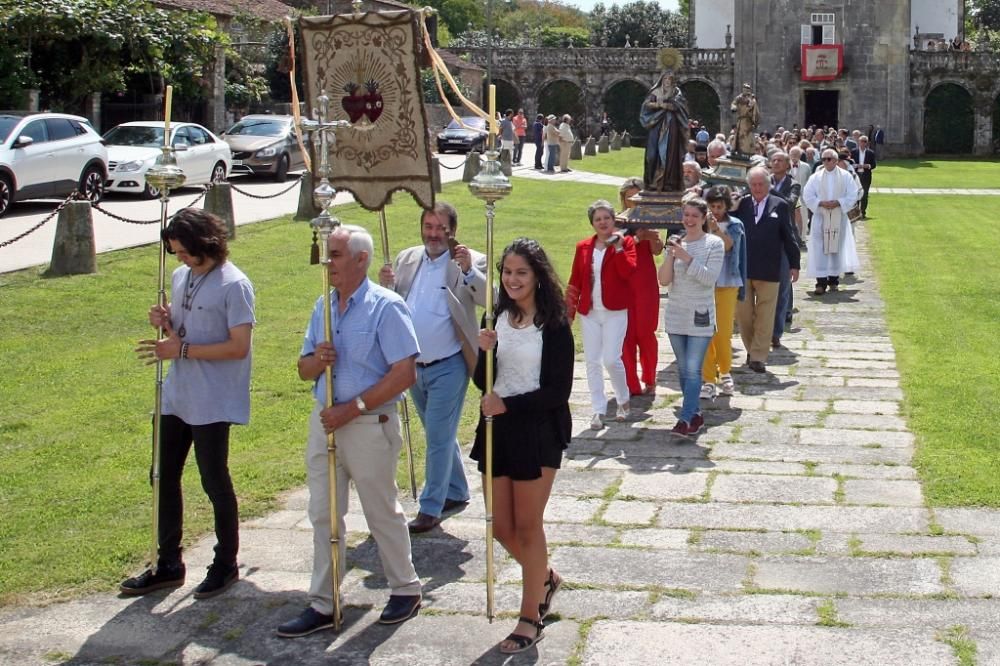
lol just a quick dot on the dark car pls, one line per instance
(463, 139)
(265, 144)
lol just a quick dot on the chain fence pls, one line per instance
(72, 197)
(267, 196)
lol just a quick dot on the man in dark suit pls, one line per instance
(864, 164)
(879, 139)
(769, 235)
(784, 185)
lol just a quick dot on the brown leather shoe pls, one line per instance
(423, 523)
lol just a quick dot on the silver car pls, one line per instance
(265, 144)
(45, 155)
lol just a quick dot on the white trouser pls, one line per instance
(603, 335)
(367, 452)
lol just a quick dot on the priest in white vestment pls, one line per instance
(829, 194)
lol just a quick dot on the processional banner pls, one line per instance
(822, 62)
(368, 65)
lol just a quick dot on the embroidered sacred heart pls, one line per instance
(373, 100)
(354, 102)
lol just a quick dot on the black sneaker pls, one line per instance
(171, 575)
(308, 621)
(218, 579)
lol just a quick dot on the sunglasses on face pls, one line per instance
(829, 159)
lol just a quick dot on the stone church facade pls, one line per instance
(894, 70)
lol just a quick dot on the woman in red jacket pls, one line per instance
(644, 306)
(599, 290)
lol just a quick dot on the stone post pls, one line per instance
(602, 145)
(219, 201)
(590, 148)
(505, 162)
(472, 166)
(307, 208)
(616, 142)
(73, 250)
(436, 174)
(93, 110)
(626, 139)
(576, 151)
(982, 136)
(33, 98)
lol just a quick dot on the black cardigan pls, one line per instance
(556, 381)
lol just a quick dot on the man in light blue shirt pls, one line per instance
(442, 287)
(372, 358)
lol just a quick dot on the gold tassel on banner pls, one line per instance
(314, 251)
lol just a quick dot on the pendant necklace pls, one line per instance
(189, 294)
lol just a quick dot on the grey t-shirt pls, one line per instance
(201, 392)
(507, 129)
(691, 307)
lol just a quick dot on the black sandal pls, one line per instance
(546, 606)
(524, 642)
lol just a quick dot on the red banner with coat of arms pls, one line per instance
(822, 62)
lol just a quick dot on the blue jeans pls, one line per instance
(784, 306)
(690, 353)
(438, 395)
(553, 158)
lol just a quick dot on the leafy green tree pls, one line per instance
(458, 15)
(642, 22)
(983, 24)
(72, 48)
(562, 37)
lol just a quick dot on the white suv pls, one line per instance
(48, 155)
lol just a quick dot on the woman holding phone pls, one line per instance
(691, 268)
(529, 405)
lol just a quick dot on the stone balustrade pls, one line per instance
(602, 59)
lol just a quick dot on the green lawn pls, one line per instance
(938, 172)
(938, 261)
(75, 413)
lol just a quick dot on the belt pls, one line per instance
(436, 361)
(371, 418)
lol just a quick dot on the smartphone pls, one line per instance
(452, 244)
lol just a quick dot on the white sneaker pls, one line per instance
(597, 422)
(623, 412)
(728, 387)
(708, 391)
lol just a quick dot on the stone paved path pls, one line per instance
(793, 531)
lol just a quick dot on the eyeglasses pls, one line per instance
(829, 159)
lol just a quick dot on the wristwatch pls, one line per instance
(361, 404)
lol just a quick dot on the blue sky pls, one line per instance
(587, 5)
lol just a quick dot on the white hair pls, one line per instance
(694, 165)
(358, 240)
(758, 171)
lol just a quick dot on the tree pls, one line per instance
(71, 48)
(983, 24)
(643, 22)
(459, 15)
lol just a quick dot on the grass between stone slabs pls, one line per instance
(937, 259)
(75, 416)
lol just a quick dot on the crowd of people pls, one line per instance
(417, 330)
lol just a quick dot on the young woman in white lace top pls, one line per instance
(529, 406)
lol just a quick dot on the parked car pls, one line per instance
(265, 144)
(133, 147)
(462, 139)
(46, 155)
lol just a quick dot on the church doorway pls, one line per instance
(822, 108)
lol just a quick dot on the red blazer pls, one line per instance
(616, 269)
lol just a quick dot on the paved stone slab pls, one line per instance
(770, 543)
(867, 471)
(872, 383)
(905, 544)
(970, 521)
(757, 488)
(891, 493)
(747, 608)
(655, 538)
(663, 486)
(583, 482)
(571, 509)
(851, 393)
(881, 422)
(828, 436)
(817, 454)
(777, 517)
(866, 407)
(979, 614)
(976, 576)
(863, 576)
(759, 467)
(776, 405)
(769, 434)
(630, 513)
(663, 568)
(644, 643)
